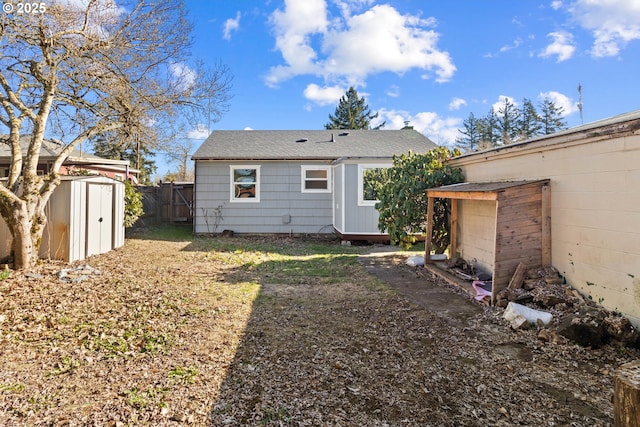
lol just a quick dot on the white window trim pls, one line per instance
(361, 169)
(232, 192)
(304, 169)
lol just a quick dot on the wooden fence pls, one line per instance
(167, 203)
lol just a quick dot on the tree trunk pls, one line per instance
(27, 235)
(626, 397)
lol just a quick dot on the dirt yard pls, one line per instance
(171, 331)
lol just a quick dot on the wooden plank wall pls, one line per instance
(518, 232)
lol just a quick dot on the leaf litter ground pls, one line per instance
(267, 331)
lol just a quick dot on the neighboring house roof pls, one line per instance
(310, 144)
(50, 150)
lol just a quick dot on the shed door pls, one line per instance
(99, 218)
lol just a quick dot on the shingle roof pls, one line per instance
(310, 144)
(483, 187)
(50, 150)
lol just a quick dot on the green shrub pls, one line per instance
(403, 201)
(132, 204)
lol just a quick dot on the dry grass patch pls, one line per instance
(147, 340)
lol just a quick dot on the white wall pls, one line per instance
(595, 205)
(476, 232)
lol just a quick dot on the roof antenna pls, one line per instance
(580, 102)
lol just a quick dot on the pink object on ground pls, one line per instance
(480, 291)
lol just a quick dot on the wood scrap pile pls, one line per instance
(579, 319)
(465, 270)
(542, 285)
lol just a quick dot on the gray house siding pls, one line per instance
(338, 197)
(278, 204)
(358, 219)
(282, 207)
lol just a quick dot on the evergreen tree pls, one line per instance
(551, 117)
(472, 134)
(510, 124)
(352, 113)
(507, 118)
(109, 146)
(529, 123)
(488, 127)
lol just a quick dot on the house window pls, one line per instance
(316, 179)
(370, 180)
(245, 184)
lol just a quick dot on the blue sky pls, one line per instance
(429, 62)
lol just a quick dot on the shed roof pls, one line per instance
(479, 190)
(310, 144)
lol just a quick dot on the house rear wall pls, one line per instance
(280, 195)
(356, 218)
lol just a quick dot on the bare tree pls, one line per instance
(75, 70)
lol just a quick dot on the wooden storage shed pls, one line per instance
(85, 217)
(497, 225)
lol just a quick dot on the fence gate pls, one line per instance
(176, 202)
(167, 202)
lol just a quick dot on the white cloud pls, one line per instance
(556, 4)
(323, 95)
(293, 28)
(562, 46)
(97, 14)
(456, 103)
(516, 43)
(500, 103)
(182, 74)
(351, 47)
(200, 132)
(393, 91)
(506, 48)
(560, 100)
(442, 131)
(348, 6)
(383, 40)
(613, 23)
(229, 26)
